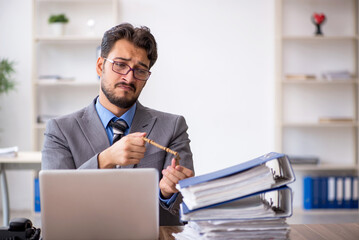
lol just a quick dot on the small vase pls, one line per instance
(58, 29)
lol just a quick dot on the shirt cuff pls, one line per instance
(168, 201)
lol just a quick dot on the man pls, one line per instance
(85, 139)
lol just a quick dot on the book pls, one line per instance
(55, 78)
(300, 76)
(269, 171)
(337, 75)
(336, 120)
(274, 203)
(9, 151)
(303, 159)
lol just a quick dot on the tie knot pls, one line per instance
(119, 127)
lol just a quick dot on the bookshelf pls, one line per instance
(71, 56)
(317, 116)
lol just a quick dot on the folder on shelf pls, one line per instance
(355, 192)
(339, 192)
(274, 203)
(37, 204)
(269, 171)
(323, 199)
(331, 192)
(308, 192)
(316, 193)
(347, 192)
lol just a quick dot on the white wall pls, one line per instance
(215, 67)
(15, 107)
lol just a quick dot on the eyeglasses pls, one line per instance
(124, 69)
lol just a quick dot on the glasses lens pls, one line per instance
(141, 74)
(121, 68)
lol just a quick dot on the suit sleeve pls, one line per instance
(56, 152)
(179, 143)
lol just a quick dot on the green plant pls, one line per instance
(6, 81)
(60, 18)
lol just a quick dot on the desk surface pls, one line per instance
(348, 231)
(23, 157)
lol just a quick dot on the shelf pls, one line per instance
(68, 83)
(64, 1)
(319, 81)
(319, 38)
(69, 39)
(321, 125)
(298, 210)
(324, 167)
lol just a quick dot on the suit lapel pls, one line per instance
(93, 129)
(143, 121)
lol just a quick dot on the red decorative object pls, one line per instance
(318, 19)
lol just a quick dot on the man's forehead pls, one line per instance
(126, 50)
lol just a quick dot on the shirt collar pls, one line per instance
(106, 116)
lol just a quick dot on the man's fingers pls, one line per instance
(176, 174)
(167, 185)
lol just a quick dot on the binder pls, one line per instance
(308, 192)
(331, 192)
(37, 205)
(339, 193)
(270, 204)
(323, 202)
(269, 171)
(355, 192)
(316, 192)
(347, 192)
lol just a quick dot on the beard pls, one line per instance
(121, 102)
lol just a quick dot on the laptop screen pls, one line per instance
(99, 204)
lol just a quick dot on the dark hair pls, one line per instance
(140, 36)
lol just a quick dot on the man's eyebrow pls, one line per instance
(129, 59)
(144, 65)
(124, 59)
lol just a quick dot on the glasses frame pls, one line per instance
(130, 69)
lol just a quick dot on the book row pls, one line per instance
(330, 192)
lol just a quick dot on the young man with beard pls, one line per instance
(84, 139)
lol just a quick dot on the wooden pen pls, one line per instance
(177, 157)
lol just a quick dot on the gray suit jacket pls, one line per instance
(75, 140)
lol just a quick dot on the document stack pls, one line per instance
(246, 201)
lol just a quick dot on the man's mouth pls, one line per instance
(129, 87)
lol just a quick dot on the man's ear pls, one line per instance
(99, 66)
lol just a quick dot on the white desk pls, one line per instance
(24, 161)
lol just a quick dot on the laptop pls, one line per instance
(99, 204)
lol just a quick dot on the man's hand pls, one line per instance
(128, 150)
(171, 175)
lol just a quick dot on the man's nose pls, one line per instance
(130, 76)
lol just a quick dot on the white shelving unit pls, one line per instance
(301, 103)
(71, 56)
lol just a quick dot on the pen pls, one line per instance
(177, 157)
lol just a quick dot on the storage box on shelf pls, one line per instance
(64, 75)
(317, 87)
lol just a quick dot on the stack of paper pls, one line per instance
(246, 201)
(9, 151)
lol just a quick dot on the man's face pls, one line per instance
(122, 90)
